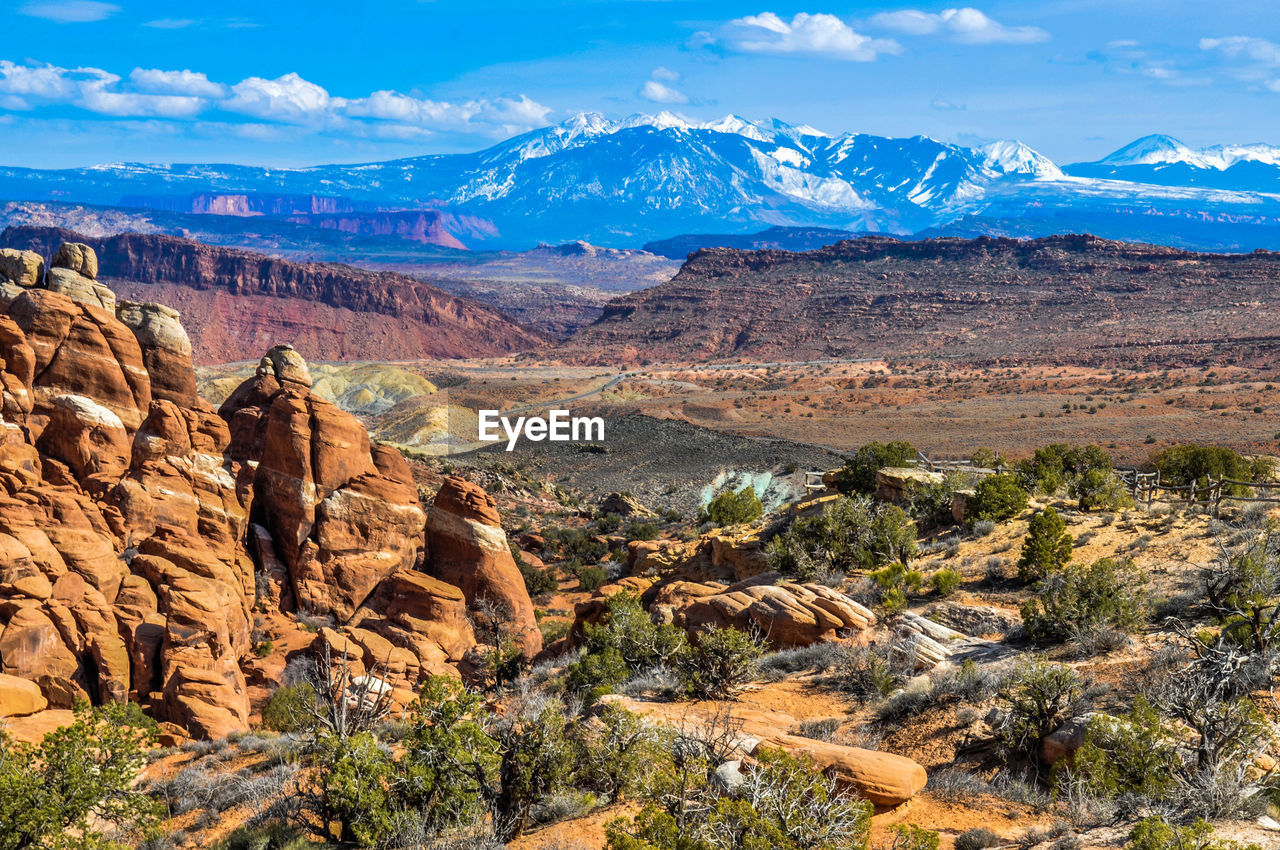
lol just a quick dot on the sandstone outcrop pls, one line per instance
(885, 779)
(166, 350)
(143, 535)
(340, 524)
(468, 548)
(786, 614)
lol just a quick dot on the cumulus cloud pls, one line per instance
(657, 92)
(965, 25)
(288, 100)
(69, 11)
(24, 87)
(190, 83)
(665, 75)
(804, 35)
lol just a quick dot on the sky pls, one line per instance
(284, 83)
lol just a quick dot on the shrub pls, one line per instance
(1154, 834)
(1193, 464)
(1101, 489)
(575, 547)
(291, 708)
(783, 804)
(1080, 602)
(868, 673)
(553, 630)
(591, 578)
(624, 644)
(352, 780)
(911, 837)
(730, 508)
(1242, 586)
(931, 503)
(1037, 699)
(1046, 548)
(849, 534)
(859, 474)
(945, 581)
(894, 583)
(997, 498)
(263, 648)
(79, 778)
(1058, 466)
(978, 838)
(644, 530)
(720, 663)
(616, 759)
(1133, 754)
(538, 581)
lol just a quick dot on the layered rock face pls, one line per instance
(238, 303)
(141, 531)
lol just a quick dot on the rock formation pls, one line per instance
(887, 780)
(468, 548)
(142, 532)
(237, 303)
(786, 613)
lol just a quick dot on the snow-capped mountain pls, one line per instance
(623, 182)
(1165, 161)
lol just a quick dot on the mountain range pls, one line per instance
(622, 183)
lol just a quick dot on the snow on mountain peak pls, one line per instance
(1153, 150)
(1013, 157)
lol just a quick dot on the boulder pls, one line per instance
(899, 484)
(77, 287)
(886, 780)
(286, 366)
(21, 268)
(624, 505)
(786, 614)
(166, 350)
(31, 647)
(19, 697)
(76, 257)
(468, 549)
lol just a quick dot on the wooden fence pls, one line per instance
(1146, 486)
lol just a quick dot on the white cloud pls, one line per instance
(665, 75)
(662, 93)
(287, 98)
(69, 11)
(171, 23)
(191, 83)
(804, 35)
(1244, 47)
(28, 86)
(289, 101)
(510, 114)
(965, 25)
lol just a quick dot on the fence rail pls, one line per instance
(1142, 486)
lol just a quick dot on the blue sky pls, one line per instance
(291, 83)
